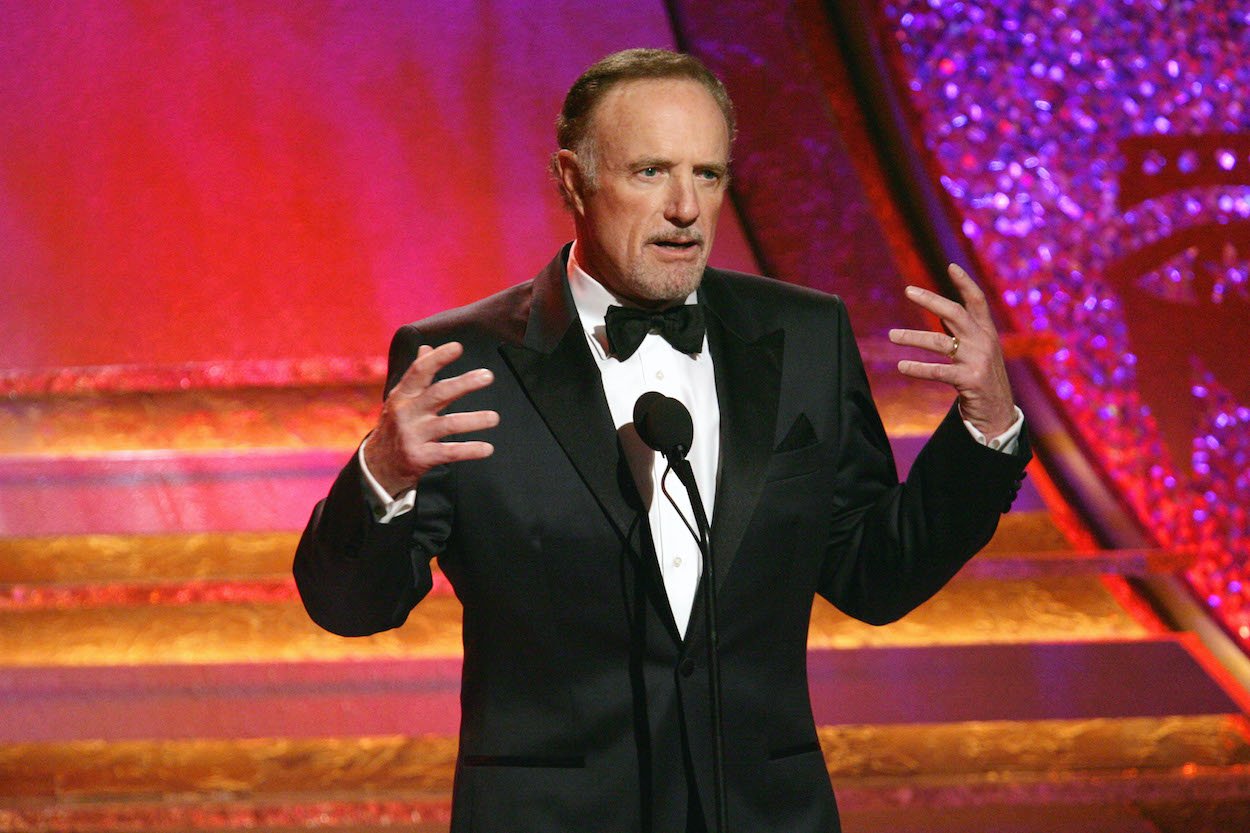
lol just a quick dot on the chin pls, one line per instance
(672, 286)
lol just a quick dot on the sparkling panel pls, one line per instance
(1099, 154)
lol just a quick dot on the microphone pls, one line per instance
(664, 425)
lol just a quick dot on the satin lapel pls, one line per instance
(566, 390)
(748, 387)
(555, 368)
(558, 373)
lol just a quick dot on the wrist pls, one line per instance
(990, 429)
(378, 466)
(997, 428)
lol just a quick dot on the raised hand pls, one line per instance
(408, 440)
(974, 365)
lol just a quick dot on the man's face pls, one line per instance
(646, 225)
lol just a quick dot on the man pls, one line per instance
(585, 696)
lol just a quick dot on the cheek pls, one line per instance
(637, 230)
(625, 220)
(712, 207)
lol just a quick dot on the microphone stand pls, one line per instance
(681, 467)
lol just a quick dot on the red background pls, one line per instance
(244, 181)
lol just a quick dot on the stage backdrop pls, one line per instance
(256, 181)
(1097, 157)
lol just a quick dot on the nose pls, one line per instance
(682, 208)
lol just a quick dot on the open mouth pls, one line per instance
(677, 245)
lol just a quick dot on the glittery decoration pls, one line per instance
(1099, 156)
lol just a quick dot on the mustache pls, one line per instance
(679, 237)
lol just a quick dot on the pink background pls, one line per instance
(246, 181)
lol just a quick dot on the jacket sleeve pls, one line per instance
(893, 545)
(356, 576)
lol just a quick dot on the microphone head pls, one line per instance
(664, 424)
(645, 403)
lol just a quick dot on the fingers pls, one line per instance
(446, 391)
(951, 313)
(967, 348)
(429, 361)
(411, 435)
(464, 422)
(417, 402)
(418, 380)
(928, 371)
(934, 342)
(439, 454)
(974, 298)
(939, 343)
(959, 318)
(973, 361)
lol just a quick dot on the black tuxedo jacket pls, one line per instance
(583, 709)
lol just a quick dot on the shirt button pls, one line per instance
(677, 561)
(659, 374)
(687, 667)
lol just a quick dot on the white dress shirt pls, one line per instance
(688, 378)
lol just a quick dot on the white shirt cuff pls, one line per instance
(1005, 442)
(385, 508)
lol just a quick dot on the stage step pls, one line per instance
(228, 597)
(242, 406)
(1106, 768)
(258, 621)
(159, 673)
(420, 696)
(206, 447)
(1026, 545)
(36, 631)
(1215, 816)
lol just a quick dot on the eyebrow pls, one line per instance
(718, 168)
(651, 162)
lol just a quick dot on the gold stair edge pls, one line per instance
(259, 630)
(373, 816)
(1103, 744)
(1214, 798)
(185, 556)
(989, 752)
(149, 557)
(83, 380)
(213, 633)
(29, 591)
(313, 418)
(1199, 785)
(186, 411)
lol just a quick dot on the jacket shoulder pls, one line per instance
(497, 317)
(480, 327)
(768, 302)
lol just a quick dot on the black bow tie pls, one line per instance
(682, 326)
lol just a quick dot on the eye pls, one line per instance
(649, 171)
(708, 175)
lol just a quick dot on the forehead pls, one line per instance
(670, 116)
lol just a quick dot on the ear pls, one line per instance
(569, 173)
